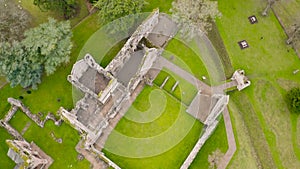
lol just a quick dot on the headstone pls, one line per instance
(243, 44)
(252, 19)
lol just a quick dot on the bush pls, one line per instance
(293, 100)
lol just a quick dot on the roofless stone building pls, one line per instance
(27, 155)
(108, 90)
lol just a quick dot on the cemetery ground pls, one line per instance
(266, 132)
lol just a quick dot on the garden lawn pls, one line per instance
(186, 56)
(163, 142)
(265, 130)
(218, 141)
(185, 92)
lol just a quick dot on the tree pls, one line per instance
(50, 43)
(293, 100)
(18, 67)
(110, 10)
(43, 49)
(67, 7)
(295, 36)
(13, 21)
(194, 17)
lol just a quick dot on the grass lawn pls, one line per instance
(185, 92)
(163, 5)
(42, 137)
(218, 140)
(5, 161)
(161, 142)
(186, 57)
(265, 130)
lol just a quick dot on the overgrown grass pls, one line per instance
(265, 119)
(217, 41)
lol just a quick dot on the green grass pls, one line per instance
(218, 140)
(185, 56)
(5, 160)
(164, 142)
(44, 140)
(266, 130)
(185, 92)
(217, 41)
(164, 5)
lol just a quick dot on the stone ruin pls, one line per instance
(110, 91)
(241, 79)
(27, 155)
(107, 90)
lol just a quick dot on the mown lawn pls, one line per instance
(161, 142)
(218, 141)
(185, 56)
(265, 130)
(185, 92)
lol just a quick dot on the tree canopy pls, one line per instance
(194, 17)
(293, 100)
(67, 7)
(13, 21)
(110, 10)
(43, 49)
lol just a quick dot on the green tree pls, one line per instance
(293, 100)
(67, 7)
(50, 43)
(13, 21)
(43, 49)
(194, 17)
(110, 10)
(18, 67)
